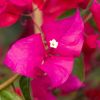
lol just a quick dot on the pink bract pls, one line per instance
(72, 84)
(92, 41)
(89, 46)
(98, 43)
(95, 9)
(39, 3)
(3, 5)
(41, 89)
(67, 32)
(54, 8)
(8, 19)
(26, 55)
(9, 15)
(21, 2)
(58, 69)
(88, 28)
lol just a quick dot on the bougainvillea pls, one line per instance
(48, 57)
(95, 9)
(29, 55)
(90, 45)
(9, 13)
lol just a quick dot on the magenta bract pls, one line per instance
(26, 55)
(98, 43)
(3, 5)
(95, 9)
(41, 89)
(58, 69)
(72, 84)
(21, 2)
(54, 8)
(67, 32)
(9, 15)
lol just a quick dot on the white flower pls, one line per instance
(53, 43)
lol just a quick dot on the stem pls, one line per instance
(87, 9)
(88, 17)
(37, 28)
(9, 81)
(37, 20)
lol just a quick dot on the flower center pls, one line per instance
(53, 43)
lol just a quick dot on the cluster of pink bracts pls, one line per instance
(50, 67)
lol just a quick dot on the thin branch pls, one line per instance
(37, 21)
(87, 9)
(88, 17)
(9, 81)
(37, 27)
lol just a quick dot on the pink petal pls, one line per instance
(72, 84)
(41, 89)
(89, 29)
(96, 12)
(21, 2)
(3, 5)
(98, 43)
(58, 69)
(68, 33)
(18, 91)
(92, 41)
(39, 3)
(84, 3)
(10, 15)
(89, 48)
(53, 8)
(26, 55)
(8, 19)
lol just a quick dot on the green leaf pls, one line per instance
(79, 68)
(7, 95)
(25, 87)
(67, 13)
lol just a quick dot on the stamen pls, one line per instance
(53, 43)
